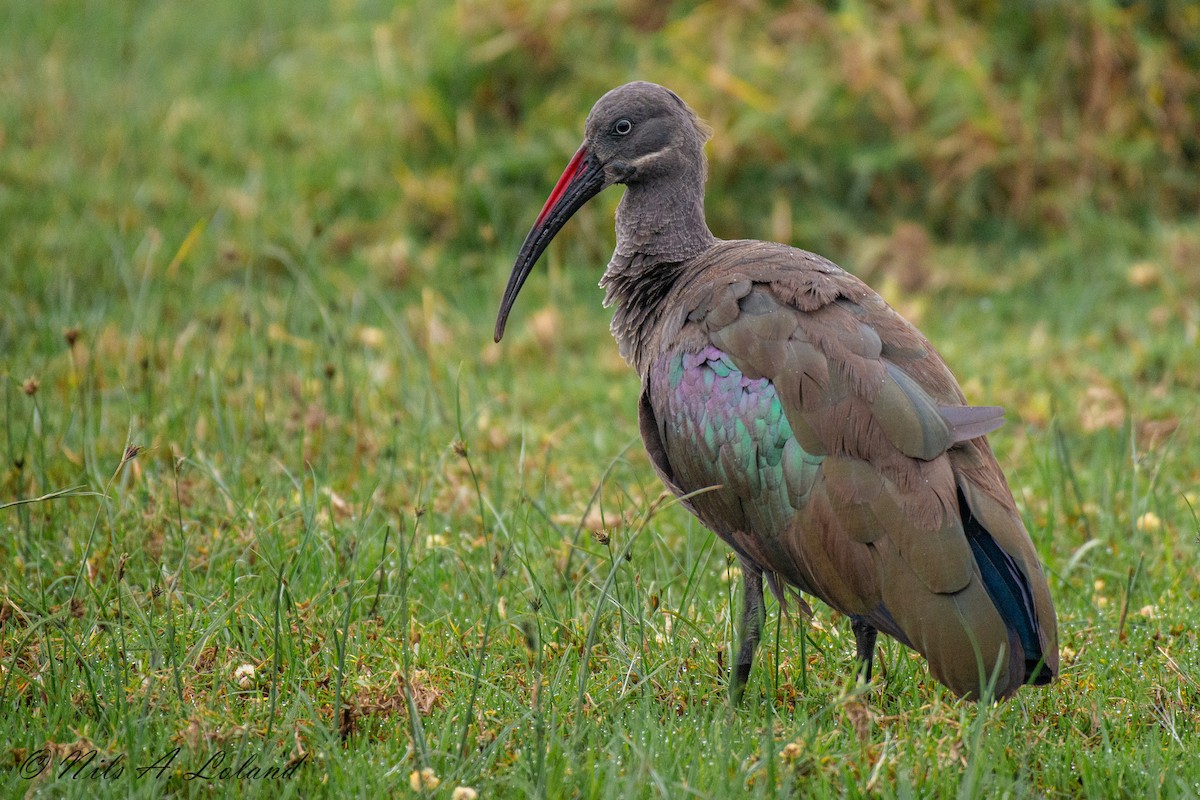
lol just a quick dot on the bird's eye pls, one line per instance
(622, 127)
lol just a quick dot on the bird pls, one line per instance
(803, 420)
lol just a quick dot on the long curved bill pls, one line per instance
(581, 181)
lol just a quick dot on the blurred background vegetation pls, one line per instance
(978, 121)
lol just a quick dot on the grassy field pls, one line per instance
(272, 500)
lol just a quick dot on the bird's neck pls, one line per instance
(663, 221)
(660, 230)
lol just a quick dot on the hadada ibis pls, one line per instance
(802, 420)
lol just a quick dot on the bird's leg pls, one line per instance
(864, 641)
(753, 615)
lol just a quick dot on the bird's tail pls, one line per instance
(1009, 590)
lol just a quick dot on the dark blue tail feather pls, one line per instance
(1009, 589)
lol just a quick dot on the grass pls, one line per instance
(271, 498)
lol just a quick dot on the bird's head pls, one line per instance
(636, 134)
(642, 131)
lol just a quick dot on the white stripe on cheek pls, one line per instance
(640, 160)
